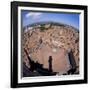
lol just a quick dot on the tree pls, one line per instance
(42, 28)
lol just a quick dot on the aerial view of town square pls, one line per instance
(50, 43)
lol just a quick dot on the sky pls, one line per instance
(29, 17)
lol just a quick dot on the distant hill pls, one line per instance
(49, 22)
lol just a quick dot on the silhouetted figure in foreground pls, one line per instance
(72, 63)
(50, 63)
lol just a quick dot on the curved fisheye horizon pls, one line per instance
(50, 22)
(71, 19)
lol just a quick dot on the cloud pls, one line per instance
(34, 15)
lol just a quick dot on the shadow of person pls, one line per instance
(50, 63)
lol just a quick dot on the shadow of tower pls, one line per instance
(37, 69)
(31, 62)
(72, 63)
